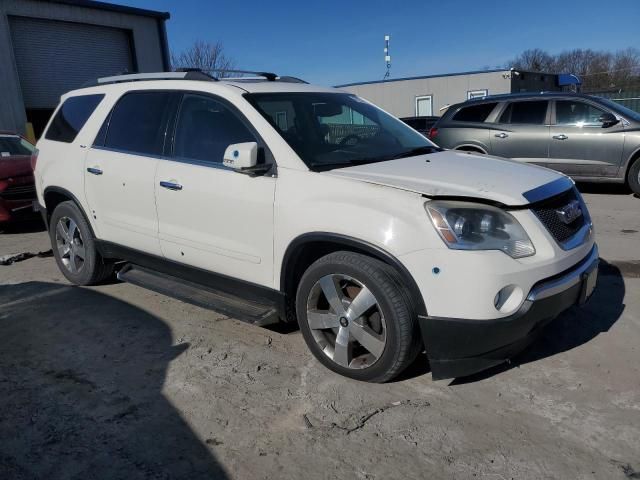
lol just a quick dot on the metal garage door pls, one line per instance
(54, 57)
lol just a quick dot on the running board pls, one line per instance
(232, 306)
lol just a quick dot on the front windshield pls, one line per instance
(335, 130)
(14, 145)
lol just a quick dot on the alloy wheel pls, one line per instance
(70, 245)
(346, 321)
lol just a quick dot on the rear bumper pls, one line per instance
(459, 347)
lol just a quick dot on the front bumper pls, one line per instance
(460, 347)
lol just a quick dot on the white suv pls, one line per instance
(270, 199)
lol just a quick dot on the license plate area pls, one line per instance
(589, 281)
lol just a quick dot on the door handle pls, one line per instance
(171, 185)
(502, 135)
(560, 137)
(94, 170)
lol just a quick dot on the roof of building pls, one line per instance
(473, 72)
(112, 7)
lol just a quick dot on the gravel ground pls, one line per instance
(118, 382)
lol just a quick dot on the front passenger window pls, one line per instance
(578, 114)
(206, 127)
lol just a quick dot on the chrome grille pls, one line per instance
(547, 213)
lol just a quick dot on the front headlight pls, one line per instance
(472, 226)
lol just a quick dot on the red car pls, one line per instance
(17, 188)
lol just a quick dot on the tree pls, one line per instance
(206, 56)
(534, 60)
(597, 69)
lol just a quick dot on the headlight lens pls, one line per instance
(469, 226)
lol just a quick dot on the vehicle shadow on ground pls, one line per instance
(31, 223)
(81, 378)
(573, 328)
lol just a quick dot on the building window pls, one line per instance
(424, 106)
(281, 121)
(471, 94)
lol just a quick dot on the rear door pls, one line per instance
(580, 146)
(522, 132)
(120, 170)
(211, 216)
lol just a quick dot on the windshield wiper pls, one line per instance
(423, 150)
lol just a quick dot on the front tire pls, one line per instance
(633, 178)
(357, 317)
(74, 246)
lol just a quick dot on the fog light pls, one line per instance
(508, 299)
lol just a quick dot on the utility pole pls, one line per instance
(387, 56)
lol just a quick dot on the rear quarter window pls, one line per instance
(71, 117)
(474, 113)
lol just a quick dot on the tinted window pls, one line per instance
(14, 145)
(532, 113)
(71, 117)
(474, 113)
(137, 123)
(206, 128)
(577, 113)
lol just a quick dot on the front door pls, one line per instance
(120, 171)
(522, 132)
(210, 216)
(424, 106)
(580, 146)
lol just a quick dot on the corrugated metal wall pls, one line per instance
(398, 97)
(54, 57)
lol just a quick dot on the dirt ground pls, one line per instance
(117, 382)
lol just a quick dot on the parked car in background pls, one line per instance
(420, 124)
(17, 190)
(266, 199)
(586, 137)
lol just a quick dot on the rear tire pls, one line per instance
(357, 317)
(74, 246)
(633, 179)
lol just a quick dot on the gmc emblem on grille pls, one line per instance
(570, 212)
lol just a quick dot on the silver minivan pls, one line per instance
(586, 137)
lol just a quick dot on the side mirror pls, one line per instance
(240, 156)
(608, 120)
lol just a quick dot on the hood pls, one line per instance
(461, 174)
(15, 166)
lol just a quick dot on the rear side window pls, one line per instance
(71, 117)
(530, 113)
(474, 113)
(137, 123)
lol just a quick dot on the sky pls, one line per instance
(333, 42)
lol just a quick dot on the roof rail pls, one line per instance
(190, 74)
(269, 76)
(137, 77)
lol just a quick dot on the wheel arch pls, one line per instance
(471, 147)
(633, 158)
(309, 247)
(53, 196)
